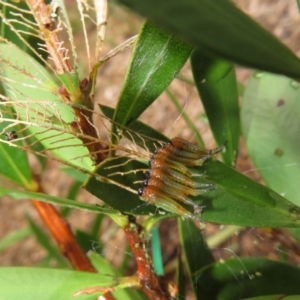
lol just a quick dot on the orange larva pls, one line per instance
(177, 180)
(160, 160)
(169, 179)
(178, 194)
(155, 196)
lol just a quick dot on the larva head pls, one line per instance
(140, 191)
(152, 157)
(147, 174)
(145, 182)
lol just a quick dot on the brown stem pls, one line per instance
(41, 12)
(149, 282)
(64, 237)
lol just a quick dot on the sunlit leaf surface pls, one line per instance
(270, 116)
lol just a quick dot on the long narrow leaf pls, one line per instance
(157, 58)
(216, 83)
(222, 28)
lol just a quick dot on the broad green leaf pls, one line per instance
(35, 98)
(196, 253)
(157, 58)
(14, 237)
(238, 200)
(271, 122)
(139, 133)
(240, 278)
(46, 284)
(220, 27)
(17, 195)
(117, 196)
(217, 86)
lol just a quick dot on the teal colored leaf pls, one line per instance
(139, 133)
(156, 251)
(240, 278)
(46, 284)
(216, 83)
(271, 122)
(220, 27)
(17, 195)
(238, 200)
(35, 97)
(157, 58)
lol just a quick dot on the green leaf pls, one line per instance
(72, 194)
(14, 166)
(117, 196)
(71, 82)
(272, 297)
(157, 58)
(46, 243)
(180, 280)
(241, 278)
(238, 200)
(220, 27)
(270, 117)
(74, 173)
(37, 101)
(14, 237)
(139, 133)
(17, 195)
(196, 253)
(105, 268)
(13, 162)
(38, 283)
(12, 21)
(217, 86)
(187, 119)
